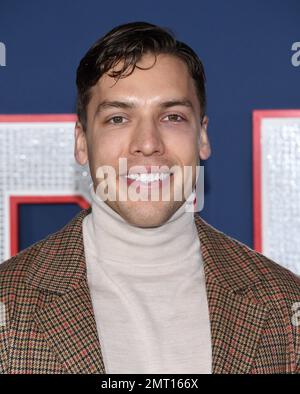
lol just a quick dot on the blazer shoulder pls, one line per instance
(277, 278)
(14, 270)
(244, 262)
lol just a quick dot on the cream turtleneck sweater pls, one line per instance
(148, 292)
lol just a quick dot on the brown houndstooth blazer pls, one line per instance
(50, 325)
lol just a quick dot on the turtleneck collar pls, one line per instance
(117, 240)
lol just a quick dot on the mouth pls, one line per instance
(149, 180)
(148, 177)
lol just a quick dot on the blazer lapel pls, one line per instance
(67, 318)
(236, 327)
(236, 319)
(69, 326)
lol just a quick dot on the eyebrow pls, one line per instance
(130, 105)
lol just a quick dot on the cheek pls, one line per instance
(185, 149)
(104, 152)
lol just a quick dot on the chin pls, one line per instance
(148, 215)
(144, 223)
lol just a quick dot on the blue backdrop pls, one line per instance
(245, 47)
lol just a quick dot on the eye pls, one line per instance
(116, 119)
(175, 118)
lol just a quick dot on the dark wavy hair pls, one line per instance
(128, 43)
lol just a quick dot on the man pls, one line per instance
(144, 286)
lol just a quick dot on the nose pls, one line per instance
(146, 139)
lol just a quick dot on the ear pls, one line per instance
(80, 149)
(204, 145)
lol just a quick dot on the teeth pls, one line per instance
(146, 178)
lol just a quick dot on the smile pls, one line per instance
(148, 177)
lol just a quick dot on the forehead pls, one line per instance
(165, 77)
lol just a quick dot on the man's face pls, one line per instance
(151, 118)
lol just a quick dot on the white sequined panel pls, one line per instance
(37, 159)
(280, 146)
